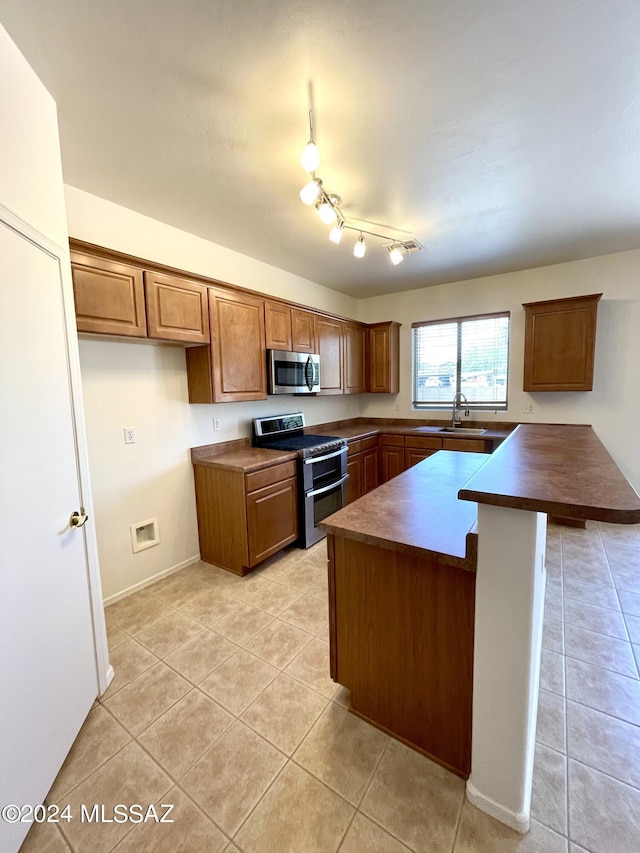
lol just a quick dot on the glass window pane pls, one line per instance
(470, 356)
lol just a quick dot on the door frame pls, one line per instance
(60, 254)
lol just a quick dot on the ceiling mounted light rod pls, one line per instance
(327, 205)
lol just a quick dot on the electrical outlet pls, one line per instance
(129, 435)
(528, 408)
(216, 424)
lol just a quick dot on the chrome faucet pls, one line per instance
(456, 407)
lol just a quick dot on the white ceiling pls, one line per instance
(502, 134)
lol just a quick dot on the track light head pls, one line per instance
(326, 211)
(360, 247)
(336, 232)
(310, 157)
(310, 192)
(396, 253)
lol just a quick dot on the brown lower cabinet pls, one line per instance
(405, 648)
(245, 518)
(400, 452)
(362, 467)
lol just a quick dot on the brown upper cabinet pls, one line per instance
(109, 297)
(559, 344)
(329, 340)
(233, 367)
(384, 358)
(277, 323)
(177, 310)
(289, 328)
(303, 331)
(117, 299)
(354, 358)
(226, 330)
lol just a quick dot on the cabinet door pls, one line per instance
(177, 310)
(384, 358)
(559, 348)
(303, 331)
(277, 320)
(370, 460)
(329, 339)
(109, 297)
(272, 519)
(238, 353)
(353, 341)
(392, 462)
(354, 483)
(412, 456)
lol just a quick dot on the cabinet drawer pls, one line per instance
(354, 447)
(393, 440)
(267, 476)
(469, 444)
(368, 443)
(423, 442)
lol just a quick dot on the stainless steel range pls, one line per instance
(322, 469)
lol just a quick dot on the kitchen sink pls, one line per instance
(462, 430)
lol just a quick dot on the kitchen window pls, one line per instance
(465, 354)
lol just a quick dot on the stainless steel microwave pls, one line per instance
(293, 372)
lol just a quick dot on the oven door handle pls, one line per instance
(312, 459)
(324, 489)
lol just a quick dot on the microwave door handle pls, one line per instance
(308, 373)
(324, 489)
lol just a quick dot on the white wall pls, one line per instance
(612, 408)
(34, 140)
(144, 386)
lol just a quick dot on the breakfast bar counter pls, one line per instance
(435, 618)
(418, 512)
(402, 563)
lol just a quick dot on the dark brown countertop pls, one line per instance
(561, 470)
(239, 456)
(418, 511)
(363, 430)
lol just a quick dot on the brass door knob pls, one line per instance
(78, 519)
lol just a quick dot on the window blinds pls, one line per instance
(468, 354)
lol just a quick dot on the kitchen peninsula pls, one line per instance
(406, 637)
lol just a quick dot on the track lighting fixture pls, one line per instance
(328, 207)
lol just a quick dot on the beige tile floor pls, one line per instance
(222, 706)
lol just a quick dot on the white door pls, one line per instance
(48, 675)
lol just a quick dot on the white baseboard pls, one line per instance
(109, 675)
(148, 581)
(516, 820)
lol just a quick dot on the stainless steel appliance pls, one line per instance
(292, 372)
(321, 465)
